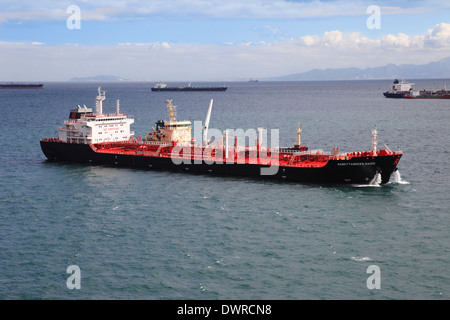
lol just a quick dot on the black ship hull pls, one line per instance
(393, 94)
(354, 171)
(21, 86)
(187, 89)
(422, 95)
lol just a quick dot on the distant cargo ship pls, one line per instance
(403, 89)
(163, 87)
(21, 86)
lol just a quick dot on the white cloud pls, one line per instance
(165, 45)
(438, 37)
(57, 13)
(174, 61)
(235, 9)
(35, 15)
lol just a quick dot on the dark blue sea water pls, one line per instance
(157, 235)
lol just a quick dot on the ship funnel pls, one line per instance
(205, 128)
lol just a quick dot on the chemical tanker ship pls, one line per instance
(403, 89)
(106, 139)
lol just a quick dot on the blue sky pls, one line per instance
(214, 40)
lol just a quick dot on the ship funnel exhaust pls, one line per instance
(205, 128)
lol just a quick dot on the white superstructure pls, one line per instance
(160, 85)
(84, 126)
(402, 86)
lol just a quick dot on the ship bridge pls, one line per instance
(172, 130)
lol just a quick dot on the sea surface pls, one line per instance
(137, 234)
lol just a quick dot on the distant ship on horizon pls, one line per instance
(404, 90)
(21, 86)
(160, 86)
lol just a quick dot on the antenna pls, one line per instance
(118, 107)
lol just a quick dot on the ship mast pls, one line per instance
(374, 141)
(99, 101)
(299, 132)
(171, 111)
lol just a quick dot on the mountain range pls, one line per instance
(433, 70)
(100, 78)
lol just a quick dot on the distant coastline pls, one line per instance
(99, 78)
(433, 70)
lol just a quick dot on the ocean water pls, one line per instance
(138, 234)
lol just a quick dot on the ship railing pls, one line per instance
(69, 128)
(110, 115)
(156, 143)
(51, 140)
(284, 153)
(72, 122)
(79, 135)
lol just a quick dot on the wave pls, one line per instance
(359, 259)
(397, 178)
(375, 182)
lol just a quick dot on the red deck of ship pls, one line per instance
(247, 155)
